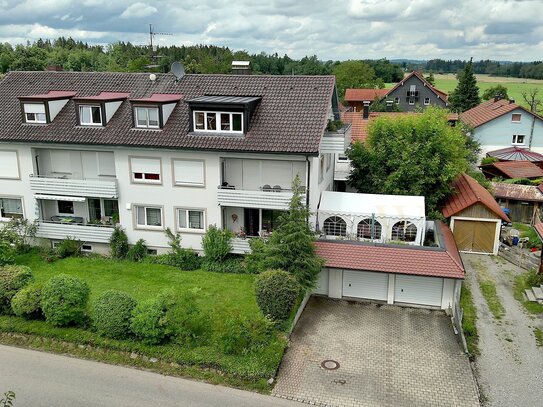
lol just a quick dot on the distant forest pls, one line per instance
(72, 55)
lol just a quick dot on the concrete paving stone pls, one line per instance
(388, 355)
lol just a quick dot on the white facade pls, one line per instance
(71, 188)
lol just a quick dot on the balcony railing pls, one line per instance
(77, 187)
(85, 233)
(336, 142)
(267, 198)
(240, 246)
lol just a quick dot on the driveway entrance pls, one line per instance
(357, 354)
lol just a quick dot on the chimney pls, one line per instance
(366, 112)
(511, 101)
(389, 105)
(241, 67)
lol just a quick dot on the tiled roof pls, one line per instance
(52, 94)
(160, 98)
(397, 259)
(517, 169)
(468, 192)
(515, 154)
(361, 95)
(359, 125)
(488, 111)
(291, 116)
(419, 75)
(105, 96)
(517, 192)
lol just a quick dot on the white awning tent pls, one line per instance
(386, 210)
(59, 198)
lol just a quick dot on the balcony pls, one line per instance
(85, 233)
(336, 141)
(264, 199)
(75, 187)
(240, 246)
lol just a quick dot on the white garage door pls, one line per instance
(365, 284)
(418, 290)
(322, 283)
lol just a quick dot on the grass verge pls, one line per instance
(538, 333)
(523, 282)
(469, 321)
(488, 289)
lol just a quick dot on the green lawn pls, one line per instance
(469, 320)
(218, 295)
(515, 86)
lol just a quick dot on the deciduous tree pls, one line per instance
(498, 90)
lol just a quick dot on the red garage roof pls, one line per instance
(468, 192)
(360, 95)
(414, 260)
(517, 169)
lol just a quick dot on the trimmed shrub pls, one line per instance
(27, 302)
(138, 252)
(64, 299)
(7, 254)
(232, 264)
(149, 322)
(112, 312)
(240, 335)
(69, 247)
(184, 320)
(276, 293)
(184, 259)
(118, 243)
(216, 243)
(12, 279)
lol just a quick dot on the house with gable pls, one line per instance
(81, 152)
(500, 124)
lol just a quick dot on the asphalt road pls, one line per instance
(43, 379)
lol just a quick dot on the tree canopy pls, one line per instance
(498, 90)
(354, 74)
(466, 94)
(418, 154)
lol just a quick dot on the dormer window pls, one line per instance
(35, 113)
(90, 115)
(43, 108)
(147, 117)
(218, 121)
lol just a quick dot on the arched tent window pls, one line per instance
(366, 230)
(404, 231)
(335, 226)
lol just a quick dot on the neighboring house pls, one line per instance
(475, 217)
(81, 151)
(356, 99)
(517, 154)
(428, 276)
(523, 201)
(498, 124)
(512, 170)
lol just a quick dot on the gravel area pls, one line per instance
(509, 369)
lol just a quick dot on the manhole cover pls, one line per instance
(330, 365)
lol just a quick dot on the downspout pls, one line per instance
(308, 181)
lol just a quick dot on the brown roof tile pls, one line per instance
(518, 192)
(467, 193)
(360, 95)
(290, 118)
(488, 111)
(517, 169)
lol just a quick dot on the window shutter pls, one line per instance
(146, 165)
(189, 172)
(9, 168)
(34, 108)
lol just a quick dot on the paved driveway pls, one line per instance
(388, 356)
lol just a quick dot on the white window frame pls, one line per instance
(411, 101)
(20, 198)
(36, 120)
(519, 118)
(147, 108)
(86, 248)
(187, 220)
(397, 101)
(515, 141)
(218, 118)
(426, 101)
(143, 180)
(188, 183)
(90, 107)
(145, 208)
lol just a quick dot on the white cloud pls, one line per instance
(138, 10)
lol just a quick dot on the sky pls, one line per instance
(330, 29)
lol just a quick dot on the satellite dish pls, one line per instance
(178, 70)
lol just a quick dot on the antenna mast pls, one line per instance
(153, 49)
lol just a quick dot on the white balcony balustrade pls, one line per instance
(85, 233)
(75, 187)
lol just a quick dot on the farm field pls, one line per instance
(515, 86)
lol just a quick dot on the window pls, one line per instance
(369, 229)
(335, 226)
(397, 101)
(65, 207)
(218, 122)
(90, 115)
(111, 207)
(515, 117)
(270, 220)
(86, 248)
(11, 208)
(411, 101)
(404, 231)
(9, 165)
(145, 170)
(189, 172)
(426, 101)
(146, 117)
(149, 216)
(190, 219)
(518, 139)
(342, 157)
(35, 113)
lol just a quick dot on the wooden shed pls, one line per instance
(475, 217)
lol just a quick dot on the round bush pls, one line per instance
(12, 279)
(27, 302)
(112, 312)
(276, 293)
(149, 322)
(64, 299)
